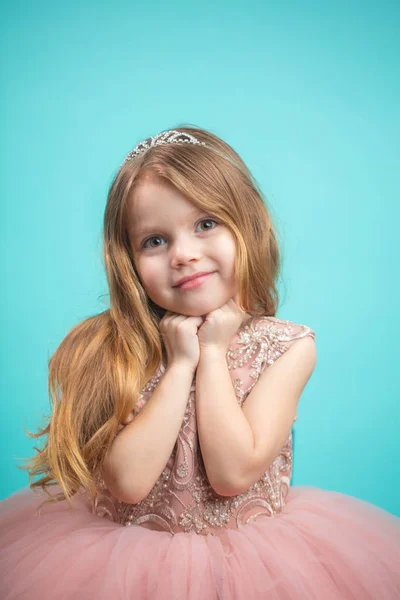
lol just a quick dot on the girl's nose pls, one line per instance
(183, 251)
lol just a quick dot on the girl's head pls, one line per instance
(173, 210)
(180, 208)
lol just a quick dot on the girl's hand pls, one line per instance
(220, 326)
(180, 338)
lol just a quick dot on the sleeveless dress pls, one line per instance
(184, 541)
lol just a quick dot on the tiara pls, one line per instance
(166, 137)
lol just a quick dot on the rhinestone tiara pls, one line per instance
(166, 137)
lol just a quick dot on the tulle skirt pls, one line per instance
(323, 546)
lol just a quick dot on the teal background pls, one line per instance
(308, 94)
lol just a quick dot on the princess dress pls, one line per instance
(184, 541)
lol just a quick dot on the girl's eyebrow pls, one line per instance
(150, 228)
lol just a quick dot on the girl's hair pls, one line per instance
(99, 369)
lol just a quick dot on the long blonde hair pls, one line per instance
(98, 371)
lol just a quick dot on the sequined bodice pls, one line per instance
(182, 500)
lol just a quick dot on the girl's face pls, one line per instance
(170, 239)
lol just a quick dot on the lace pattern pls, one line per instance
(182, 500)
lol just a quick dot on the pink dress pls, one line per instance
(184, 541)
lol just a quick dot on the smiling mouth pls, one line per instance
(194, 283)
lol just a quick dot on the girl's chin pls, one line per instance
(200, 311)
(191, 306)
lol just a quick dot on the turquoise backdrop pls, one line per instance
(308, 94)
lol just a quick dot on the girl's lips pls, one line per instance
(193, 283)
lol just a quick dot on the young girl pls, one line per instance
(169, 444)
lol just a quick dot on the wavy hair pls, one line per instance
(98, 371)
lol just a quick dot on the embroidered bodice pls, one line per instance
(182, 499)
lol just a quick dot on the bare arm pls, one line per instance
(140, 452)
(237, 444)
(225, 436)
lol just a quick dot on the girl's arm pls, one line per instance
(239, 444)
(140, 452)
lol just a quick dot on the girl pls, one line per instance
(170, 439)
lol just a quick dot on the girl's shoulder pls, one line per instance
(257, 345)
(266, 329)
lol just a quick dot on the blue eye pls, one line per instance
(158, 237)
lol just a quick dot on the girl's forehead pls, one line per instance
(149, 186)
(154, 203)
(152, 191)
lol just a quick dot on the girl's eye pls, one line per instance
(158, 237)
(208, 221)
(144, 245)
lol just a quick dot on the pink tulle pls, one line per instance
(323, 546)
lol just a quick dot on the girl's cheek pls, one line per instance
(142, 272)
(150, 272)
